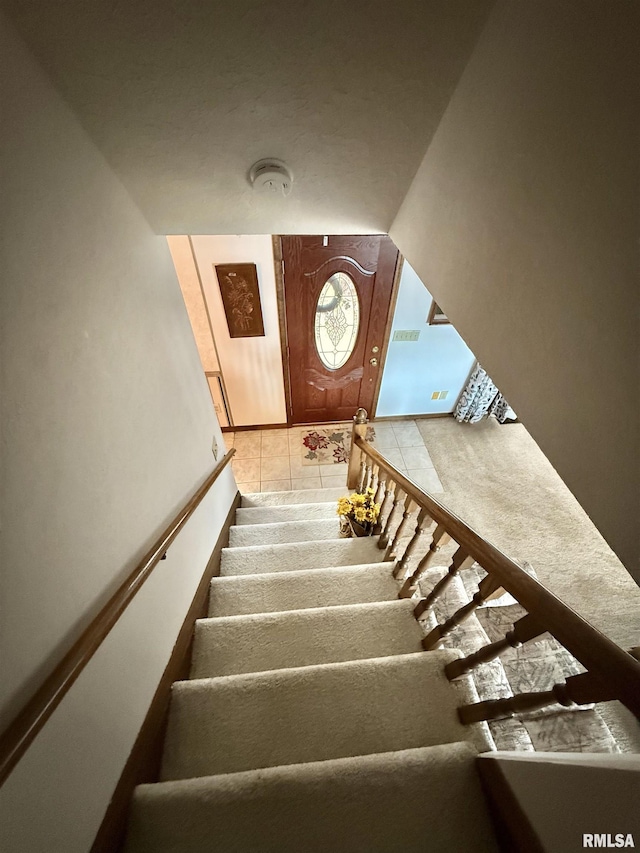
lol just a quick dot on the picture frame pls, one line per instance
(241, 299)
(437, 317)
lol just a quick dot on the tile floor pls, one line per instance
(271, 460)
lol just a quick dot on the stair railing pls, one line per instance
(18, 736)
(612, 673)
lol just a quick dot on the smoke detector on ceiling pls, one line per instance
(271, 176)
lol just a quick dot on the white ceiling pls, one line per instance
(183, 97)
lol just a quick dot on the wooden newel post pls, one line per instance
(360, 422)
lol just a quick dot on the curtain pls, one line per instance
(481, 399)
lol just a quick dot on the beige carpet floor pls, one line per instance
(496, 477)
(498, 480)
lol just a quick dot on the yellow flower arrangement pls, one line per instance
(360, 507)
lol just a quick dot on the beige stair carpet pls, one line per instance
(295, 512)
(257, 559)
(314, 720)
(238, 595)
(282, 532)
(410, 801)
(297, 496)
(313, 713)
(266, 641)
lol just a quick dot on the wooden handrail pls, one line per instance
(21, 732)
(593, 649)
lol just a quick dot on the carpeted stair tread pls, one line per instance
(290, 512)
(410, 801)
(314, 713)
(297, 638)
(296, 496)
(258, 559)
(239, 595)
(281, 532)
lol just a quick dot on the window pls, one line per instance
(337, 319)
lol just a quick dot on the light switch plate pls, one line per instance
(406, 335)
(214, 448)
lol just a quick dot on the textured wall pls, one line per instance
(182, 101)
(106, 430)
(523, 219)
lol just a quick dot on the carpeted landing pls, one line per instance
(312, 719)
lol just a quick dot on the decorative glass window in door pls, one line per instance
(337, 320)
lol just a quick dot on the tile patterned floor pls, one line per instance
(270, 460)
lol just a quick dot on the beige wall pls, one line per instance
(251, 367)
(107, 425)
(523, 221)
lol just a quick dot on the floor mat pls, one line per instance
(328, 445)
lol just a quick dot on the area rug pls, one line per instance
(322, 446)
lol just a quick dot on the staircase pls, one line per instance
(313, 720)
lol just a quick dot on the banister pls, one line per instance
(585, 642)
(20, 733)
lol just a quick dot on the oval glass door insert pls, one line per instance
(337, 319)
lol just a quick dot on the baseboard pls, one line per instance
(412, 417)
(323, 423)
(255, 426)
(143, 764)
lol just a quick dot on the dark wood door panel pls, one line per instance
(318, 392)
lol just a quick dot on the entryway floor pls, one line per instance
(277, 460)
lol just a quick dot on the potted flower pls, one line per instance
(359, 513)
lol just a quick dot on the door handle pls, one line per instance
(373, 362)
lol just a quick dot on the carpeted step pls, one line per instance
(410, 801)
(239, 595)
(314, 713)
(296, 638)
(258, 559)
(290, 512)
(281, 532)
(297, 496)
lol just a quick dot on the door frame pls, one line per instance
(395, 288)
(278, 262)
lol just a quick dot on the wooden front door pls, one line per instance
(337, 294)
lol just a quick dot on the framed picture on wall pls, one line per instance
(241, 299)
(436, 317)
